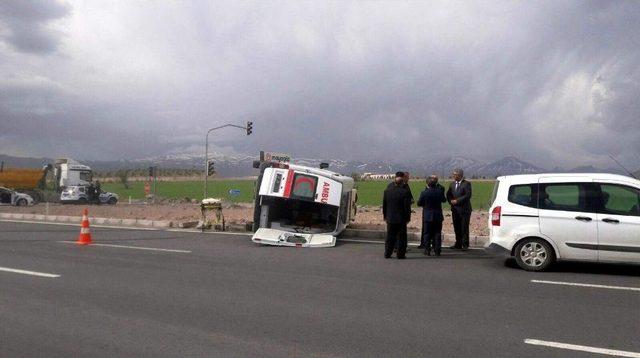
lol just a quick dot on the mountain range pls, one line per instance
(241, 165)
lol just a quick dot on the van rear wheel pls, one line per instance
(534, 254)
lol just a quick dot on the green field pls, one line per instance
(369, 192)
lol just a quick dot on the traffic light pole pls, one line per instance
(206, 149)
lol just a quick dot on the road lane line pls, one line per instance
(575, 347)
(133, 247)
(31, 273)
(587, 285)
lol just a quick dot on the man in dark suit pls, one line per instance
(459, 197)
(405, 184)
(431, 200)
(396, 210)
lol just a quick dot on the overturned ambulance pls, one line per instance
(301, 206)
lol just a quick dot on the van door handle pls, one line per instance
(611, 221)
(583, 218)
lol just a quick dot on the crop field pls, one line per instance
(369, 192)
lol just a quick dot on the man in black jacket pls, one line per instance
(431, 200)
(459, 197)
(396, 210)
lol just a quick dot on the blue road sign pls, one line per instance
(234, 192)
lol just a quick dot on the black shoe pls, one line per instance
(387, 256)
(455, 247)
(402, 257)
(422, 247)
(465, 248)
(437, 253)
(427, 252)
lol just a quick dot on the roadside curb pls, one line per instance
(412, 236)
(355, 234)
(163, 224)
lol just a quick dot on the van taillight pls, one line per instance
(495, 216)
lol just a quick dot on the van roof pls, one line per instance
(535, 177)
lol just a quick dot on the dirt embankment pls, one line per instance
(367, 218)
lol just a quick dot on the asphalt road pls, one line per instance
(221, 295)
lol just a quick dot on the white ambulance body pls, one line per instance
(302, 206)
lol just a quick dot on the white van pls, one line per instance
(542, 218)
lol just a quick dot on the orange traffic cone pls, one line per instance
(85, 233)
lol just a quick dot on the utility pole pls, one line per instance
(248, 128)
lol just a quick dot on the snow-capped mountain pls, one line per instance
(505, 166)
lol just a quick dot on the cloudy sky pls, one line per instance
(551, 82)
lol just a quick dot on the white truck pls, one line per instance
(302, 206)
(69, 172)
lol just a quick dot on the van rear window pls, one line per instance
(304, 186)
(523, 195)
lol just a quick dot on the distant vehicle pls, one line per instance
(542, 218)
(302, 206)
(12, 197)
(69, 172)
(78, 194)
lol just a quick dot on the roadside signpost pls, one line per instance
(280, 158)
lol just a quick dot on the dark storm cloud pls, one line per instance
(555, 83)
(26, 24)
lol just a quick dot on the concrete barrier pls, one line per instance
(144, 223)
(162, 224)
(99, 221)
(114, 222)
(128, 222)
(39, 217)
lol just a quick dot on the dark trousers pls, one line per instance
(423, 235)
(396, 233)
(432, 235)
(461, 227)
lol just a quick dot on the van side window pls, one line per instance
(523, 195)
(620, 200)
(564, 197)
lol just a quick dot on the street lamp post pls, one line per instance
(248, 128)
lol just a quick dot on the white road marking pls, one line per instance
(132, 247)
(587, 285)
(31, 273)
(575, 347)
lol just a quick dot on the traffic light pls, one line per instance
(211, 168)
(249, 128)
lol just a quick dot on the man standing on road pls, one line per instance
(396, 210)
(431, 200)
(459, 197)
(405, 184)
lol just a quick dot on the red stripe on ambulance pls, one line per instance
(288, 184)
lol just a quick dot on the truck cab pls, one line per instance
(68, 173)
(302, 206)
